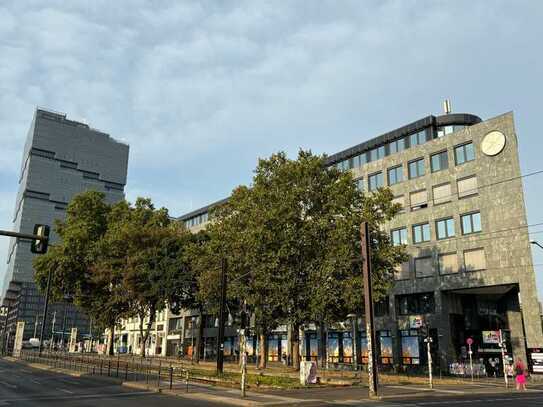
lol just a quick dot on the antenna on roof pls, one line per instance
(447, 106)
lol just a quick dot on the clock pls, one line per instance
(493, 143)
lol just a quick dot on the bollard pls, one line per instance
(171, 376)
(108, 367)
(117, 366)
(147, 374)
(126, 371)
(187, 381)
(101, 366)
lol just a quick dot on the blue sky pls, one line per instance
(201, 89)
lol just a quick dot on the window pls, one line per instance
(397, 146)
(381, 307)
(400, 200)
(401, 271)
(413, 304)
(375, 181)
(417, 138)
(441, 193)
(424, 267)
(471, 223)
(439, 161)
(395, 175)
(399, 236)
(416, 168)
(464, 153)
(448, 263)
(360, 160)
(418, 200)
(467, 186)
(441, 131)
(359, 182)
(377, 153)
(474, 260)
(445, 228)
(421, 233)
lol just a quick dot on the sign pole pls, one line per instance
(428, 341)
(470, 353)
(502, 346)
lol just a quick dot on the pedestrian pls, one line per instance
(520, 375)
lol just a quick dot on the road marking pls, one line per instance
(81, 396)
(66, 391)
(12, 386)
(35, 381)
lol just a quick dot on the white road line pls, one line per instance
(35, 381)
(12, 386)
(66, 391)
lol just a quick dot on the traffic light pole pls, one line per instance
(42, 331)
(368, 305)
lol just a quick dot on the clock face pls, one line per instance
(493, 143)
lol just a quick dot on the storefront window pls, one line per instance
(410, 347)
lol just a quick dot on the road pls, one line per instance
(23, 386)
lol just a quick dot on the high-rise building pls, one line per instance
(61, 158)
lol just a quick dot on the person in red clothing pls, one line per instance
(520, 375)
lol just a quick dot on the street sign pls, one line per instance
(469, 341)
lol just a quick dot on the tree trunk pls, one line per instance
(145, 337)
(199, 338)
(295, 350)
(262, 350)
(322, 344)
(111, 340)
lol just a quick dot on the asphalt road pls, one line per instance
(23, 386)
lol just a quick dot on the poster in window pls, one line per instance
(313, 347)
(386, 350)
(333, 348)
(491, 337)
(364, 349)
(410, 348)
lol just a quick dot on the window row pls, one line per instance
(447, 263)
(440, 194)
(197, 220)
(461, 154)
(417, 168)
(444, 228)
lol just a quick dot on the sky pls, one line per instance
(200, 90)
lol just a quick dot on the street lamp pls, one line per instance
(536, 243)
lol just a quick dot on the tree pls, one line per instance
(292, 239)
(154, 266)
(81, 265)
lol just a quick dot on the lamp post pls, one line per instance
(428, 340)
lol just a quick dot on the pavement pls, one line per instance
(27, 385)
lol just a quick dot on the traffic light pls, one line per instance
(39, 246)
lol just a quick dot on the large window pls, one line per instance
(421, 233)
(375, 181)
(464, 153)
(424, 267)
(419, 200)
(413, 304)
(397, 146)
(416, 168)
(395, 175)
(381, 308)
(445, 228)
(401, 201)
(467, 186)
(401, 271)
(471, 223)
(359, 160)
(448, 263)
(399, 236)
(417, 138)
(359, 184)
(377, 153)
(439, 161)
(442, 193)
(474, 260)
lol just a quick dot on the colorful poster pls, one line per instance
(491, 337)
(364, 349)
(410, 349)
(333, 348)
(73, 340)
(18, 344)
(415, 321)
(386, 349)
(313, 347)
